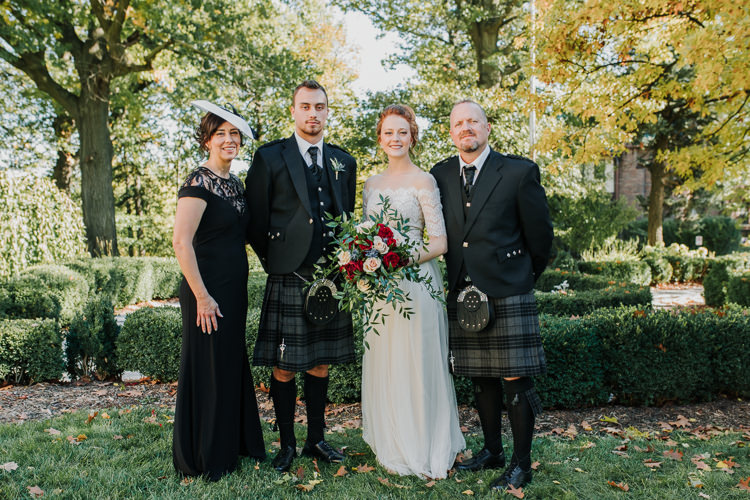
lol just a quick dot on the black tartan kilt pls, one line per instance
(307, 346)
(510, 347)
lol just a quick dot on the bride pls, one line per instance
(409, 412)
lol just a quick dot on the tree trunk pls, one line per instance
(96, 169)
(63, 169)
(656, 203)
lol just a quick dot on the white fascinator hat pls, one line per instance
(229, 115)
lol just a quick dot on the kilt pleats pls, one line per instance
(510, 347)
(307, 345)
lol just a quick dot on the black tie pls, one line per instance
(314, 165)
(469, 171)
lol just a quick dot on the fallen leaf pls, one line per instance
(386, 482)
(578, 469)
(468, 492)
(52, 431)
(300, 473)
(341, 472)
(622, 486)
(105, 415)
(81, 437)
(309, 486)
(621, 453)
(622, 447)
(35, 491)
(588, 445)
(72, 440)
(586, 426)
(433, 482)
(555, 481)
(116, 437)
(703, 495)
(9, 466)
(611, 420)
(744, 484)
(665, 426)
(673, 454)
(695, 482)
(535, 465)
(315, 465)
(698, 462)
(648, 449)
(100, 392)
(516, 492)
(653, 464)
(681, 422)
(92, 416)
(364, 468)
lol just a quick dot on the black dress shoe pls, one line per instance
(483, 460)
(513, 476)
(323, 450)
(283, 459)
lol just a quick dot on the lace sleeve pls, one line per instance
(432, 209)
(364, 201)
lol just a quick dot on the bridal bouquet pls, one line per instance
(371, 258)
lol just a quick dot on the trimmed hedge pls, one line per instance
(717, 277)
(150, 342)
(30, 351)
(738, 289)
(631, 271)
(585, 293)
(46, 291)
(637, 355)
(90, 342)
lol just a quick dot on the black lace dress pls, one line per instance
(216, 416)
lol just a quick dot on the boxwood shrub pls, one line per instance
(90, 341)
(150, 342)
(738, 289)
(30, 351)
(631, 271)
(717, 277)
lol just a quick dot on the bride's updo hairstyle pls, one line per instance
(407, 114)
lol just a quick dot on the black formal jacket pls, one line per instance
(505, 239)
(281, 218)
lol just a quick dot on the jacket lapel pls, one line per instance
(336, 184)
(484, 184)
(452, 195)
(294, 164)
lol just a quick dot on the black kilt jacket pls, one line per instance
(281, 217)
(506, 237)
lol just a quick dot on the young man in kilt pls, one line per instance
(291, 184)
(499, 238)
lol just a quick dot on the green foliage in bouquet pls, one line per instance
(369, 260)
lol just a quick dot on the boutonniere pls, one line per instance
(337, 167)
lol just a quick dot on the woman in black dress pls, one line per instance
(216, 416)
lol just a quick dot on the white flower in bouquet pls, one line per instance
(364, 226)
(363, 285)
(379, 245)
(344, 257)
(371, 264)
(400, 239)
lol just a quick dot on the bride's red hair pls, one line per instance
(404, 112)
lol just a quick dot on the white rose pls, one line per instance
(363, 285)
(344, 257)
(364, 226)
(379, 245)
(371, 264)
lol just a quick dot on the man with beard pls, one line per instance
(499, 238)
(291, 184)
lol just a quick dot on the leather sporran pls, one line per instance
(475, 311)
(320, 304)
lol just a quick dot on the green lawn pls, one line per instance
(129, 456)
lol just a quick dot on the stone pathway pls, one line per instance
(672, 295)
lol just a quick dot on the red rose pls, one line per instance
(391, 260)
(384, 231)
(391, 242)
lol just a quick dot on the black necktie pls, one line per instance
(314, 165)
(469, 171)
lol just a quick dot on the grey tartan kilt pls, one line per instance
(510, 347)
(282, 318)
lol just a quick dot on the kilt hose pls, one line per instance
(307, 346)
(510, 347)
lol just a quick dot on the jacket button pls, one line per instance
(320, 189)
(466, 244)
(310, 221)
(278, 234)
(508, 255)
(514, 252)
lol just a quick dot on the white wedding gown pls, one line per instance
(409, 413)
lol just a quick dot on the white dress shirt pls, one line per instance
(477, 163)
(303, 146)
